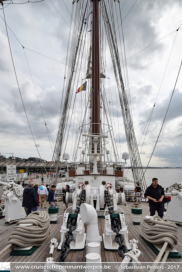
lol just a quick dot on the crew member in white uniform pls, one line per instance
(43, 193)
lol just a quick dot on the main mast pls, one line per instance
(95, 70)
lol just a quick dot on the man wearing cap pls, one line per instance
(30, 200)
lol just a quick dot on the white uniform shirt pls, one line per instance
(43, 192)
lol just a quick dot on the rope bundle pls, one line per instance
(34, 235)
(157, 231)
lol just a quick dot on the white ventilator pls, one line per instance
(89, 217)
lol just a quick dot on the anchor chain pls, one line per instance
(71, 225)
(116, 226)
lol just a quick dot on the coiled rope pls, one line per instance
(31, 235)
(157, 231)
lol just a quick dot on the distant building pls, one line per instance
(33, 159)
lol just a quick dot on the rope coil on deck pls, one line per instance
(157, 231)
(34, 235)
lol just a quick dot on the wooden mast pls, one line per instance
(95, 70)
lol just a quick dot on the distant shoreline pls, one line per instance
(154, 167)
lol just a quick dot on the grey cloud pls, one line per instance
(140, 31)
(171, 154)
(114, 110)
(5, 61)
(175, 109)
(49, 100)
(179, 136)
(4, 67)
(19, 128)
(120, 138)
(142, 92)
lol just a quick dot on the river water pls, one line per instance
(166, 177)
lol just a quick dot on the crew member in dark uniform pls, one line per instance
(66, 190)
(155, 194)
(138, 193)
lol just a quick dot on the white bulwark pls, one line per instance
(11, 172)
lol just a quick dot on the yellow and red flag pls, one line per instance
(82, 87)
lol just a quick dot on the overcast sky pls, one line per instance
(40, 27)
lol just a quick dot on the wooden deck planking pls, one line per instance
(42, 252)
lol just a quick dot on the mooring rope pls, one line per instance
(35, 234)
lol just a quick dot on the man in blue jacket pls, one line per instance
(30, 200)
(51, 195)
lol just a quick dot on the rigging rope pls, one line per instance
(68, 98)
(43, 55)
(29, 48)
(32, 49)
(151, 113)
(73, 44)
(19, 86)
(59, 13)
(149, 45)
(1, 2)
(150, 116)
(76, 146)
(33, 2)
(11, 2)
(125, 61)
(45, 123)
(164, 119)
(80, 57)
(129, 10)
(67, 8)
(128, 123)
